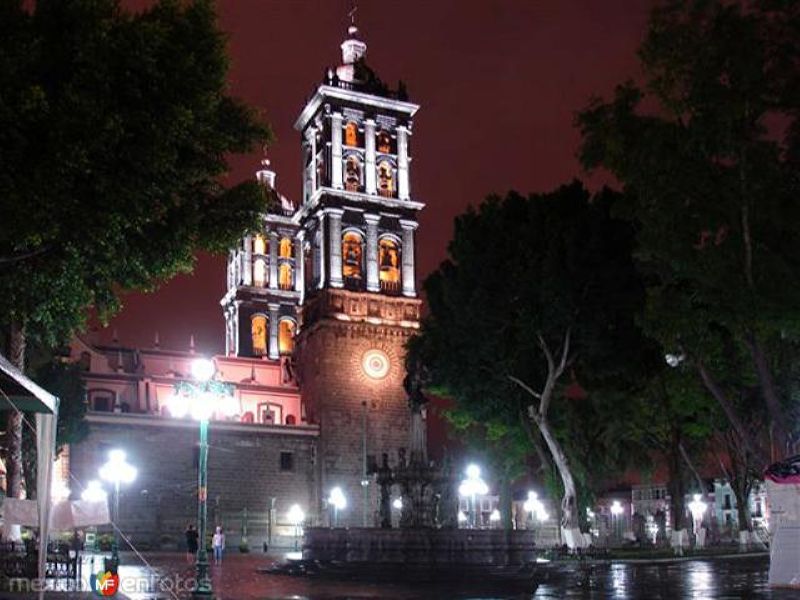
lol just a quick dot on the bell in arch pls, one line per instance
(387, 264)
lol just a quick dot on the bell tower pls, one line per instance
(357, 224)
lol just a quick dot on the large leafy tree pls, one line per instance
(114, 133)
(707, 149)
(534, 289)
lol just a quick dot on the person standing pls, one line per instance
(218, 542)
(191, 543)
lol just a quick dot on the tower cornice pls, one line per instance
(324, 92)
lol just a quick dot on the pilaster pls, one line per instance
(373, 283)
(336, 151)
(409, 288)
(335, 247)
(369, 152)
(273, 330)
(273, 260)
(403, 192)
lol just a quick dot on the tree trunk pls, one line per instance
(505, 503)
(569, 503)
(677, 486)
(745, 523)
(730, 411)
(770, 392)
(14, 472)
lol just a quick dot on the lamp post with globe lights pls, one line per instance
(201, 398)
(296, 518)
(116, 471)
(698, 509)
(616, 511)
(339, 502)
(472, 487)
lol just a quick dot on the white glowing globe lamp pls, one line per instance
(94, 492)
(697, 507)
(178, 405)
(117, 469)
(337, 498)
(616, 508)
(462, 518)
(230, 406)
(296, 515)
(398, 503)
(202, 369)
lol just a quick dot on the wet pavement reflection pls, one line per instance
(238, 579)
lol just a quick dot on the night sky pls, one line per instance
(499, 83)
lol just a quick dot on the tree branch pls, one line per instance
(15, 258)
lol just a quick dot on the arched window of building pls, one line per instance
(352, 175)
(389, 261)
(384, 142)
(285, 279)
(286, 331)
(258, 331)
(385, 179)
(285, 248)
(351, 134)
(259, 272)
(259, 245)
(352, 258)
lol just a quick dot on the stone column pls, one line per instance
(273, 330)
(335, 248)
(299, 263)
(273, 260)
(247, 268)
(320, 252)
(336, 151)
(403, 191)
(408, 257)
(369, 155)
(373, 283)
(311, 140)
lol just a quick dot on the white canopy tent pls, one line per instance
(17, 392)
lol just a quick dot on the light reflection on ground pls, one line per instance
(237, 579)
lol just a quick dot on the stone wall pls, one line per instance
(244, 472)
(335, 388)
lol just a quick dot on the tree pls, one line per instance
(708, 151)
(114, 133)
(533, 288)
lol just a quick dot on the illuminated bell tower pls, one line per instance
(357, 225)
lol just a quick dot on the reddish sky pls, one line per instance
(499, 83)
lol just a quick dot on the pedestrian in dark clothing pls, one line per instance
(191, 543)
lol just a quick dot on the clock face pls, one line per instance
(375, 364)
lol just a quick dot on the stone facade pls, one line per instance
(246, 471)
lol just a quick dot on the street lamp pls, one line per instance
(535, 507)
(472, 487)
(201, 398)
(296, 518)
(616, 511)
(339, 502)
(494, 517)
(698, 508)
(397, 503)
(117, 471)
(94, 492)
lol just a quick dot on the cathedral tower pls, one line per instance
(359, 302)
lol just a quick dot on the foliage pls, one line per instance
(707, 151)
(530, 279)
(114, 133)
(63, 380)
